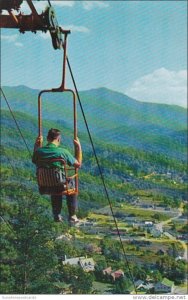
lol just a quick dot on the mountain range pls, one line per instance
(112, 118)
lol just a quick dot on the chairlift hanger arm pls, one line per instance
(33, 22)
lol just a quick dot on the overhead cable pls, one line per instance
(17, 125)
(101, 174)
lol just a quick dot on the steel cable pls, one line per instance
(100, 171)
(17, 125)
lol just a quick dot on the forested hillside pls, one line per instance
(142, 153)
(124, 168)
(112, 117)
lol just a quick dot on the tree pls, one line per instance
(28, 257)
(121, 286)
(178, 273)
(139, 272)
(185, 210)
(80, 281)
(164, 264)
(62, 247)
(156, 275)
(173, 250)
(111, 249)
(172, 269)
(156, 216)
(99, 267)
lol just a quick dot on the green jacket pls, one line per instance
(42, 155)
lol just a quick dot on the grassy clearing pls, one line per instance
(142, 213)
(125, 210)
(99, 217)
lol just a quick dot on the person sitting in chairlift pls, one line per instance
(53, 150)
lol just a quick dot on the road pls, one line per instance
(160, 226)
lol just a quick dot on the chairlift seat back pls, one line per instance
(55, 181)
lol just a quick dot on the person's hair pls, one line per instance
(53, 134)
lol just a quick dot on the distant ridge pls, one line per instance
(112, 117)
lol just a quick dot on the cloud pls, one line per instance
(41, 5)
(44, 35)
(9, 38)
(18, 44)
(5, 12)
(89, 5)
(161, 86)
(75, 28)
(63, 3)
(12, 39)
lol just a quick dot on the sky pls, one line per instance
(138, 48)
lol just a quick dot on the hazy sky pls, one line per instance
(135, 47)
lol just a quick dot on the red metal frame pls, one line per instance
(24, 22)
(61, 89)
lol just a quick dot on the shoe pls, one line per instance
(58, 218)
(74, 220)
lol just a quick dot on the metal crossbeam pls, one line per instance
(33, 22)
